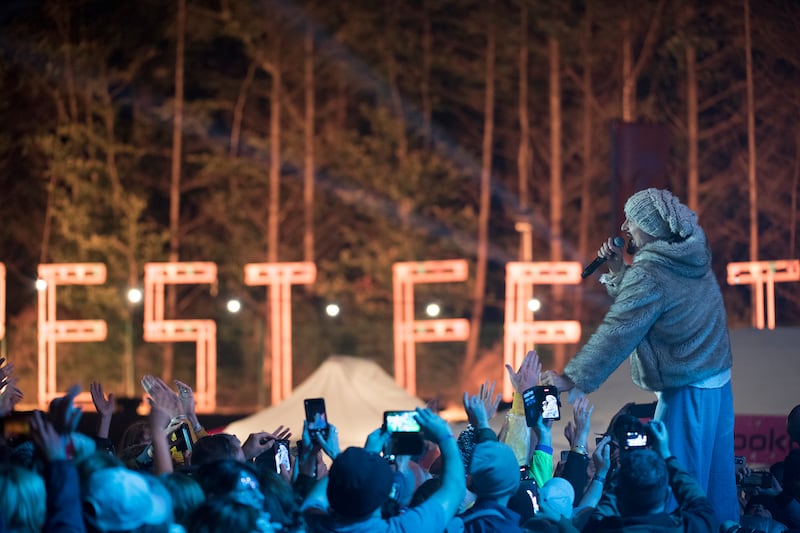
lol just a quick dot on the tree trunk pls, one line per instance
(556, 196)
(308, 171)
(692, 122)
(628, 79)
(524, 152)
(274, 161)
(751, 137)
(479, 293)
(401, 150)
(795, 181)
(425, 85)
(238, 109)
(175, 179)
(586, 150)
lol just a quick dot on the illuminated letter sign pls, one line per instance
(280, 277)
(760, 273)
(520, 332)
(203, 332)
(52, 331)
(407, 331)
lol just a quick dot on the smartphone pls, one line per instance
(401, 422)
(635, 439)
(760, 479)
(541, 401)
(406, 433)
(316, 416)
(564, 456)
(180, 440)
(281, 451)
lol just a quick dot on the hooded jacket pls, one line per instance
(668, 316)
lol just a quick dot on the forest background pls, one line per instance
(356, 134)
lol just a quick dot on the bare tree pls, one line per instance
(481, 263)
(175, 178)
(308, 135)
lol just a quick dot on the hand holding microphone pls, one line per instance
(610, 251)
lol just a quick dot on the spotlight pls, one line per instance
(433, 309)
(41, 284)
(534, 305)
(234, 306)
(134, 296)
(332, 310)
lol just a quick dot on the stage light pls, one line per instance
(534, 305)
(41, 284)
(433, 309)
(234, 305)
(332, 310)
(134, 295)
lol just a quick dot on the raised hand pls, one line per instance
(105, 405)
(63, 413)
(10, 394)
(433, 426)
(46, 437)
(377, 440)
(329, 444)
(5, 371)
(660, 438)
(163, 396)
(559, 381)
(258, 443)
(185, 398)
(490, 400)
(528, 374)
(105, 408)
(582, 413)
(476, 411)
(602, 456)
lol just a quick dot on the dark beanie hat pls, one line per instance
(359, 482)
(494, 470)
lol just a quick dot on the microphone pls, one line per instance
(619, 242)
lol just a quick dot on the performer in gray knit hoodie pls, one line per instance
(668, 316)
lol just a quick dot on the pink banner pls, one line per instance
(761, 438)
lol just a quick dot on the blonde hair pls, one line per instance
(23, 499)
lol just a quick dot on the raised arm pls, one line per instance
(453, 488)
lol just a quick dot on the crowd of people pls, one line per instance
(57, 479)
(673, 473)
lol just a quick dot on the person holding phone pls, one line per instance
(669, 318)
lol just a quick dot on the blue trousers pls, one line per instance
(700, 428)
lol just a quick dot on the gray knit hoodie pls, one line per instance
(667, 314)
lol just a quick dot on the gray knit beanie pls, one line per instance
(660, 214)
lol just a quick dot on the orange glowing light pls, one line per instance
(521, 332)
(279, 278)
(407, 331)
(202, 332)
(53, 331)
(760, 274)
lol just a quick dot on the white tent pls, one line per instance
(356, 391)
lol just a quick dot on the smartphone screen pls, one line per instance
(406, 437)
(531, 410)
(316, 416)
(541, 401)
(401, 422)
(549, 405)
(635, 439)
(281, 449)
